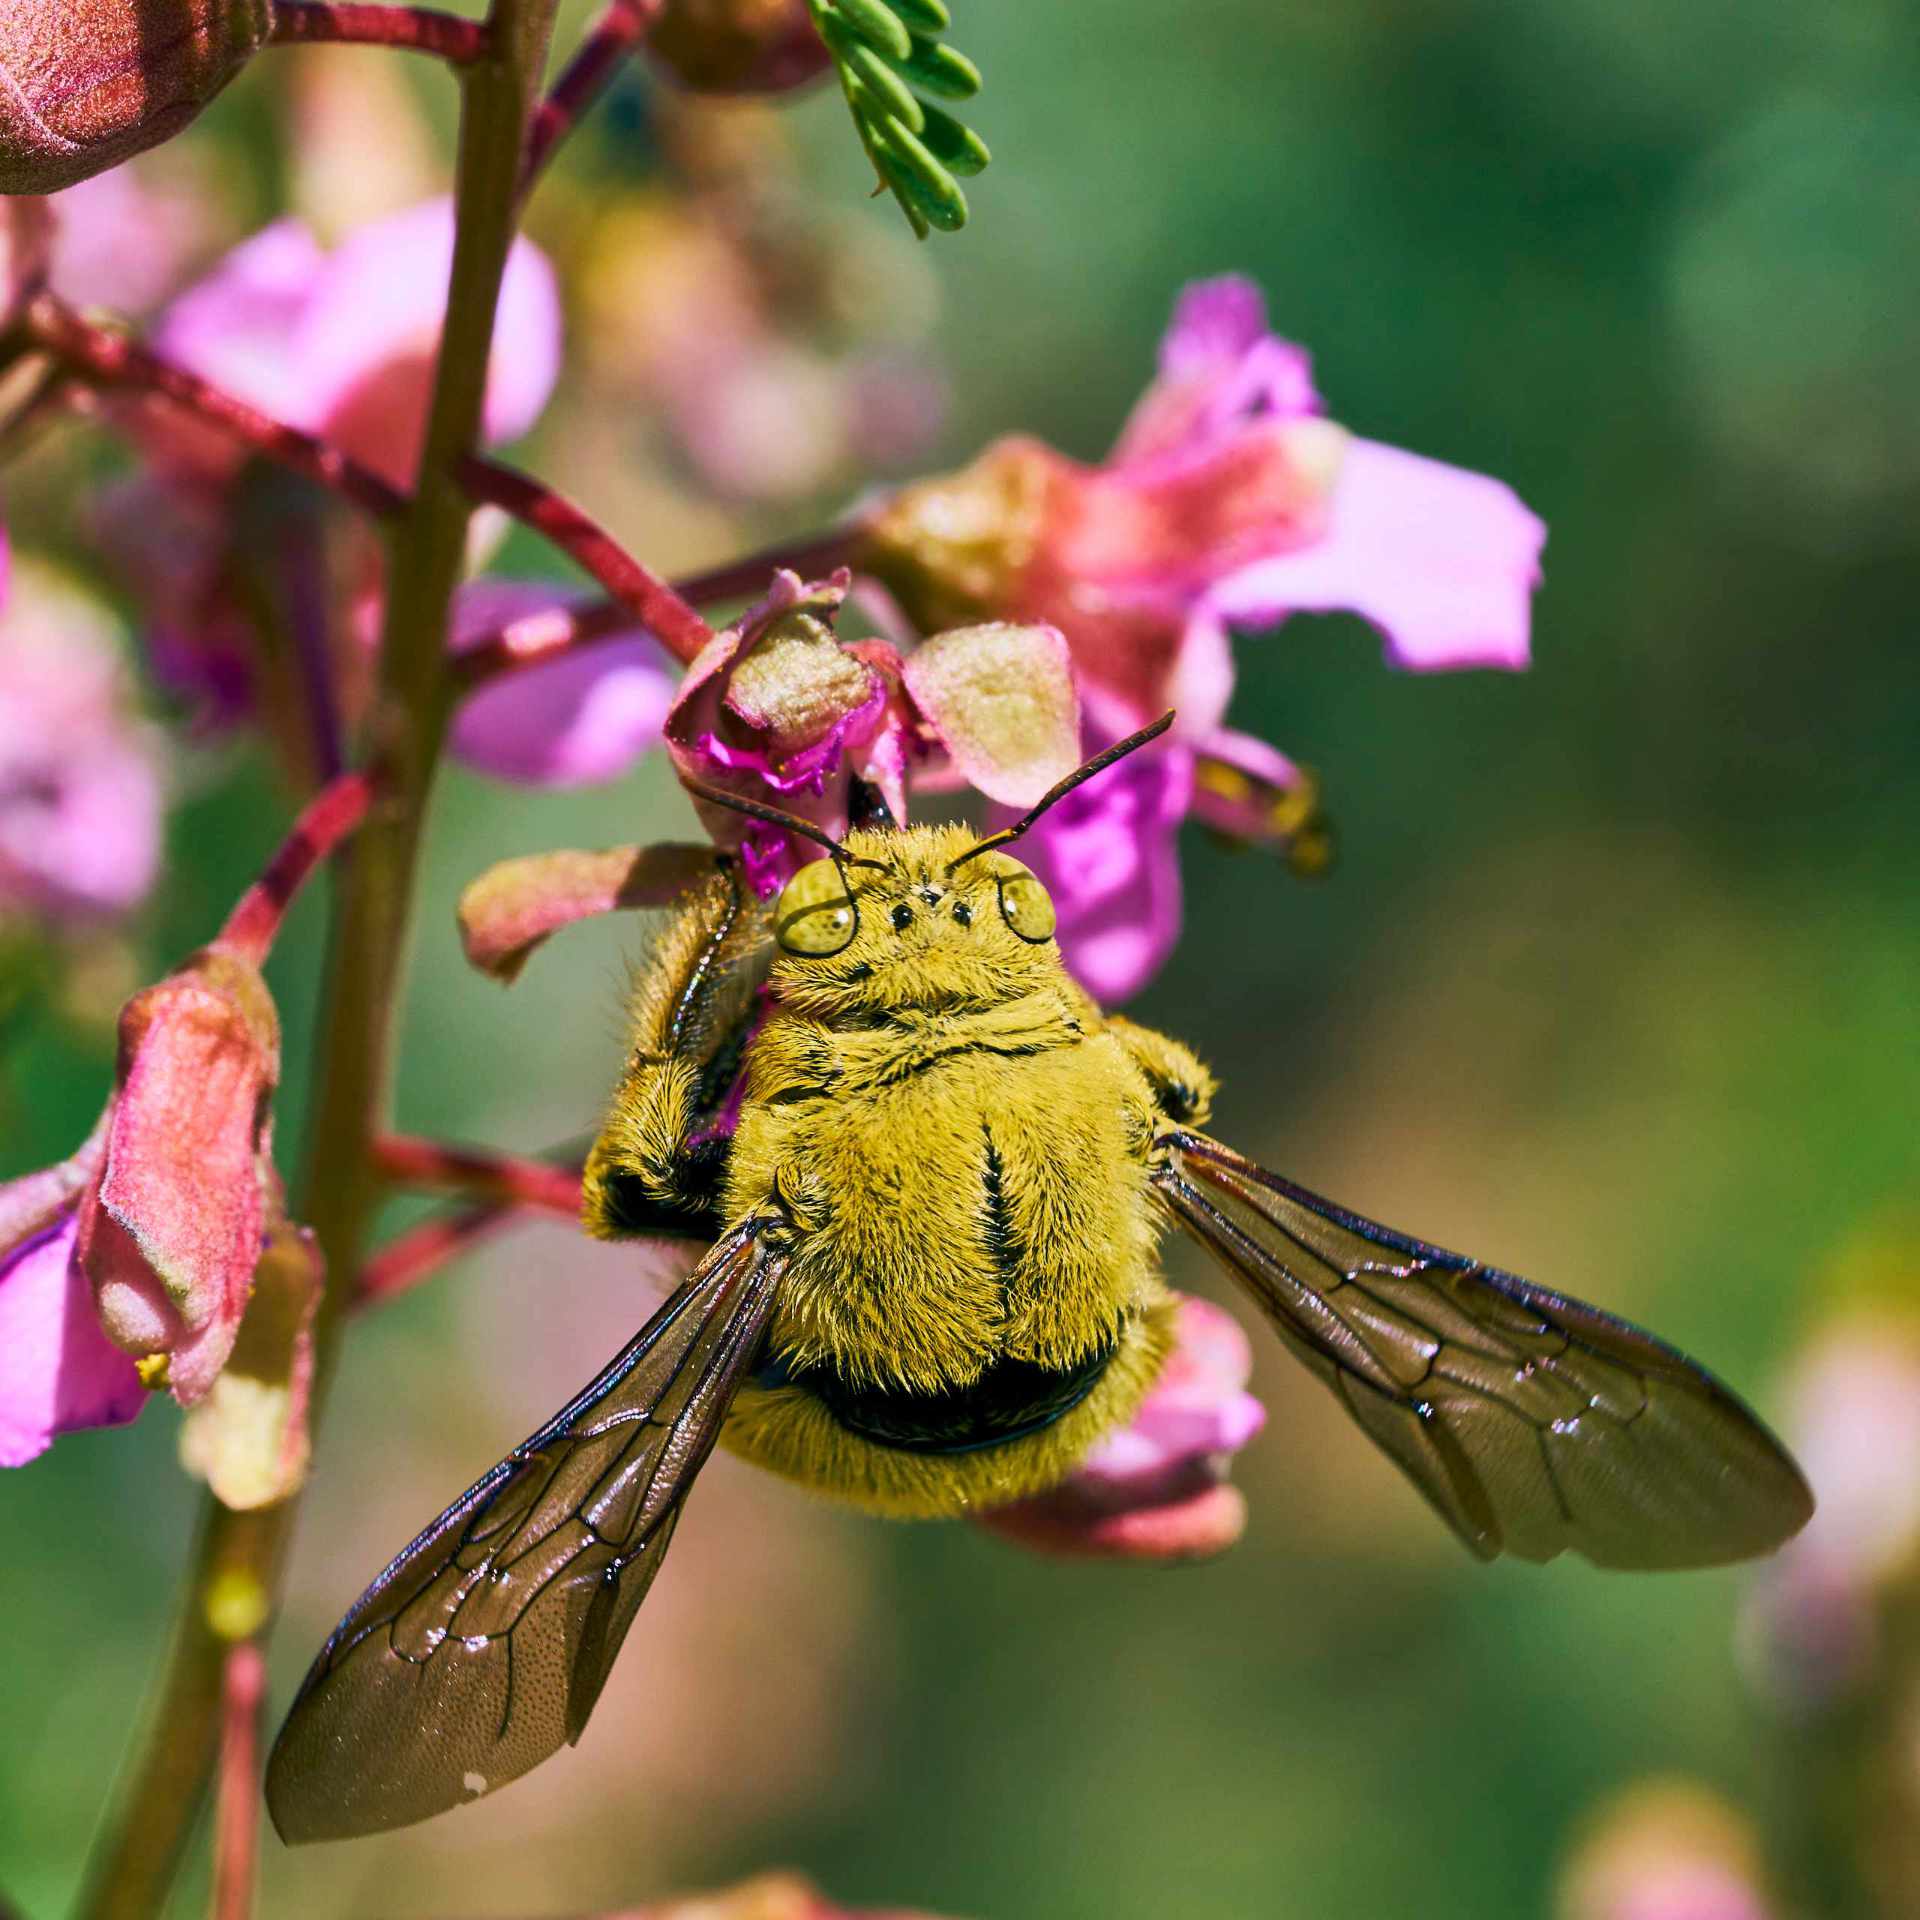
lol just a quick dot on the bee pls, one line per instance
(933, 1174)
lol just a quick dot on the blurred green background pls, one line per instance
(1617, 983)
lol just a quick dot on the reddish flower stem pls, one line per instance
(675, 624)
(410, 1161)
(411, 29)
(103, 358)
(236, 1819)
(598, 58)
(411, 1257)
(327, 819)
(538, 637)
(811, 558)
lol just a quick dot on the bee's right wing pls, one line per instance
(1533, 1423)
(484, 1645)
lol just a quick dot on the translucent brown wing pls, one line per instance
(485, 1644)
(1533, 1423)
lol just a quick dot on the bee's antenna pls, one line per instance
(1080, 775)
(778, 817)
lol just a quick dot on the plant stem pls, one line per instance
(536, 638)
(597, 59)
(233, 1581)
(411, 29)
(106, 359)
(236, 1820)
(413, 1256)
(407, 1160)
(324, 823)
(674, 624)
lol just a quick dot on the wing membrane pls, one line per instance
(1533, 1423)
(484, 1645)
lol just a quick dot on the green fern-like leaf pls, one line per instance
(883, 50)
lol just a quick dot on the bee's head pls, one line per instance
(917, 916)
(897, 923)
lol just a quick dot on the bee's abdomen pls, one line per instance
(1011, 1399)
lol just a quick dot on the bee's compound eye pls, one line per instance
(814, 916)
(1026, 906)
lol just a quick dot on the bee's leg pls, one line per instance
(660, 1163)
(1181, 1085)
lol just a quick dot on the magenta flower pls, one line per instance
(780, 710)
(340, 344)
(1229, 501)
(58, 1372)
(80, 783)
(1157, 1490)
(585, 716)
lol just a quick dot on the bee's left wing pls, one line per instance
(485, 1644)
(1533, 1423)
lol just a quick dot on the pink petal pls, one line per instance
(514, 906)
(366, 339)
(1219, 369)
(585, 716)
(58, 1371)
(237, 326)
(1107, 854)
(1001, 698)
(170, 1237)
(1442, 561)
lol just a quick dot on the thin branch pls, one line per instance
(420, 1252)
(333, 813)
(536, 638)
(236, 1818)
(410, 29)
(410, 1161)
(812, 558)
(596, 61)
(106, 359)
(675, 624)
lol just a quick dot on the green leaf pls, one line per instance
(916, 176)
(934, 65)
(882, 51)
(878, 25)
(862, 71)
(928, 18)
(956, 146)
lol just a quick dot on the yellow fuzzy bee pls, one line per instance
(934, 1175)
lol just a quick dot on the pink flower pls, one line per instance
(1667, 1849)
(168, 1226)
(58, 1372)
(779, 710)
(1812, 1622)
(171, 1231)
(583, 717)
(340, 344)
(80, 786)
(1158, 1489)
(1229, 500)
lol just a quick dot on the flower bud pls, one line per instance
(171, 1235)
(737, 46)
(85, 84)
